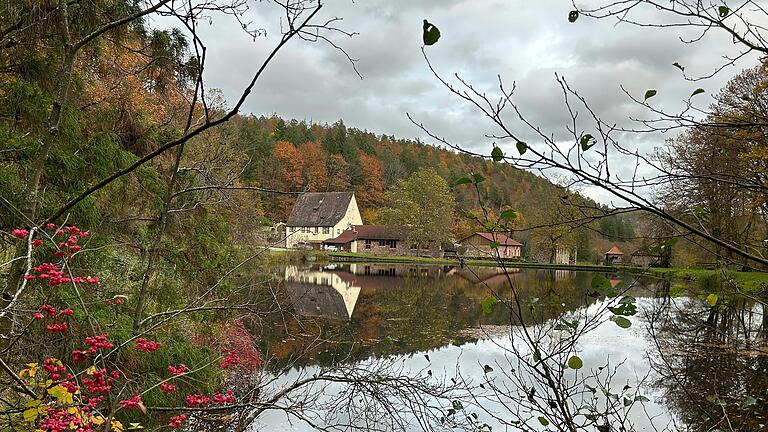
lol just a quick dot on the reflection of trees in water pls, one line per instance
(714, 363)
(410, 311)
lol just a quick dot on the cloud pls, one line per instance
(524, 42)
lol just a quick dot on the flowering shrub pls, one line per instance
(89, 393)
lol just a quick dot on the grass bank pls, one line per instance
(747, 281)
(371, 258)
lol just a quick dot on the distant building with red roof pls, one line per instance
(614, 254)
(479, 245)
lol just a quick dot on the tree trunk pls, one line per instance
(155, 249)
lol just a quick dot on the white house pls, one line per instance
(319, 216)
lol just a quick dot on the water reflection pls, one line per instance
(320, 293)
(429, 316)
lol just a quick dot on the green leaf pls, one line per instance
(543, 421)
(712, 300)
(640, 398)
(509, 214)
(497, 154)
(478, 178)
(677, 65)
(575, 362)
(723, 11)
(624, 309)
(627, 402)
(697, 91)
(627, 299)
(649, 94)
(621, 321)
(573, 16)
(494, 245)
(587, 141)
(487, 369)
(488, 304)
(746, 97)
(521, 147)
(463, 180)
(431, 33)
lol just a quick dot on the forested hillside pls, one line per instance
(293, 156)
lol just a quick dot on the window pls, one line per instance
(367, 244)
(393, 244)
(382, 242)
(326, 230)
(414, 246)
(315, 230)
(390, 243)
(338, 230)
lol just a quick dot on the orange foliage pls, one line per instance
(371, 192)
(314, 171)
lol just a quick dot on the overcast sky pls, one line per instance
(523, 41)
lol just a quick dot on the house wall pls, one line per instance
(565, 255)
(402, 248)
(294, 234)
(479, 247)
(352, 217)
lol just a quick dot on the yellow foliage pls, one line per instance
(30, 370)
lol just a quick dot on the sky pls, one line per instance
(522, 41)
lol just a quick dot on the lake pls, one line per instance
(681, 365)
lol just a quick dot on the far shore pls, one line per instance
(748, 281)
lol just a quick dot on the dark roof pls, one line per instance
(317, 300)
(614, 251)
(369, 232)
(501, 239)
(319, 208)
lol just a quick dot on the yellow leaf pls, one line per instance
(61, 394)
(117, 426)
(30, 370)
(30, 415)
(33, 403)
(90, 370)
(97, 420)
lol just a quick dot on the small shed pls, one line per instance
(614, 254)
(479, 246)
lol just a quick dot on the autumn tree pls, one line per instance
(717, 171)
(371, 192)
(424, 203)
(338, 175)
(314, 170)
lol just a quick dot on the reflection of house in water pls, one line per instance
(321, 293)
(561, 275)
(488, 275)
(332, 291)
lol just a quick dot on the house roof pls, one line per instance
(614, 251)
(319, 209)
(369, 232)
(501, 239)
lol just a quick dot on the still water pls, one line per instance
(695, 368)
